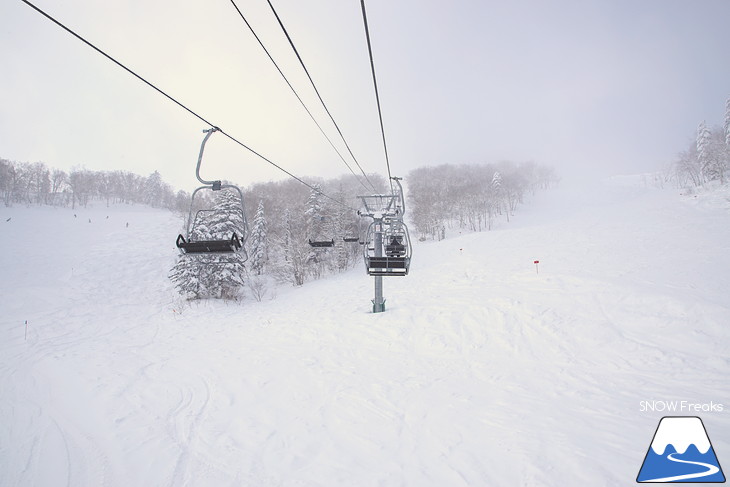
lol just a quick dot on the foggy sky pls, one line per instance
(604, 87)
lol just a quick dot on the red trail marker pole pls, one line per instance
(536, 269)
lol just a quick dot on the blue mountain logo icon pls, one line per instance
(681, 452)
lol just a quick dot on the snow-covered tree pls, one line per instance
(341, 226)
(497, 182)
(58, 179)
(226, 216)
(708, 157)
(313, 215)
(429, 200)
(294, 252)
(79, 183)
(318, 227)
(257, 241)
(501, 194)
(712, 153)
(687, 166)
(153, 189)
(185, 274)
(727, 122)
(703, 150)
(470, 196)
(213, 275)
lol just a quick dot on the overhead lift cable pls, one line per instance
(196, 115)
(301, 61)
(258, 39)
(377, 96)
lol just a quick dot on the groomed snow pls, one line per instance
(480, 372)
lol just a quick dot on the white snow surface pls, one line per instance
(681, 432)
(482, 371)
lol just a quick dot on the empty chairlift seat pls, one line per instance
(321, 243)
(209, 246)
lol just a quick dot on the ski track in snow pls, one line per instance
(480, 372)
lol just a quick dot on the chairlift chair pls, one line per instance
(322, 243)
(191, 243)
(387, 246)
(209, 246)
(392, 257)
(355, 238)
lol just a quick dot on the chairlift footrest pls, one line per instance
(388, 266)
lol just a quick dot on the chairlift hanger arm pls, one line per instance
(216, 185)
(400, 192)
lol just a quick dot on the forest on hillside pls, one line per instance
(283, 216)
(35, 183)
(469, 197)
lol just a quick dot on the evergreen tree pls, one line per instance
(227, 216)
(214, 275)
(318, 226)
(497, 182)
(341, 227)
(294, 252)
(313, 216)
(727, 122)
(185, 275)
(703, 151)
(258, 243)
(726, 133)
(153, 189)
(498, 191)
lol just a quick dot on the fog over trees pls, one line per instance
(285, 215)
(707, 158)
(36, 184)
(470, 197)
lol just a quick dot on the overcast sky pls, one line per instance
(602, 86)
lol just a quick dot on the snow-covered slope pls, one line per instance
(481, 371)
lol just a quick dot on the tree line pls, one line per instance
(287, 215)
(707, 158)
(470, 197)
(37, 184)
(284, 216)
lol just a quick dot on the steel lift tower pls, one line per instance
(387, 246)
